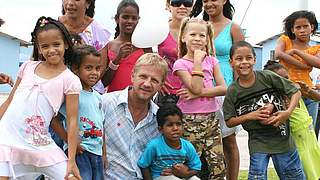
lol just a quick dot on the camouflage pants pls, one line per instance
(203, 131)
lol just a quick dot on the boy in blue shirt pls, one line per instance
(91, 150)
(169, 156)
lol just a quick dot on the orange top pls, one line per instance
(295, 73)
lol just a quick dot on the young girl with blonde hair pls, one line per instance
(196, 70)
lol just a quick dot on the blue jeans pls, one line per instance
(90, 166)
(312, 107)
(287, 165)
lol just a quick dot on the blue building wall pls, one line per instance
(258, 65)
(266, 50)
(9, 59)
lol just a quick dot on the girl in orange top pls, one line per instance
(297, 55)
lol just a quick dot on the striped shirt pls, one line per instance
(125, 141)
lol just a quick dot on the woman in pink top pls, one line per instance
(168, 49)
(42, 85)
(196, 71)
(121, 53)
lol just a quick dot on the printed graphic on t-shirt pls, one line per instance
(167, 161)
(36, 132)
(89, 129)
(259, 99)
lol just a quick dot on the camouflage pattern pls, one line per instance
(203, 131)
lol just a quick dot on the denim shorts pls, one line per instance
(287, 165)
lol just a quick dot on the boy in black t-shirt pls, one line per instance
(250, 101)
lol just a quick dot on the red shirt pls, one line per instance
(122, 77)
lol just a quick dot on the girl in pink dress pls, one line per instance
(42, 85)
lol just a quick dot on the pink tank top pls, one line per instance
(168, 50)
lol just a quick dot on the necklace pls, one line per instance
(75, 27)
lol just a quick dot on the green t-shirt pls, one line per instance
(268, 88)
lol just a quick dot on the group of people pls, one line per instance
(123, 112)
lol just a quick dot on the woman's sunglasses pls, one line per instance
(178, 3)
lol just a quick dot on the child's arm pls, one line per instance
(193, 83)
(59, 129)
(5, 79)
(146, 173)
(72, 103)
(6, 104)
(310, 59)
(280, 117)
(260, 114)
(124, 50)
(219, 90)
(182, 171)
(281, 54)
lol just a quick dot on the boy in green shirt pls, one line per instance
(247, 102)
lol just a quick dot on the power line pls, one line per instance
(245, 13)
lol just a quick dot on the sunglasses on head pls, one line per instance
(178, 3)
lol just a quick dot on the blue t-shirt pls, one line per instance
(90, 121)
(159, 156)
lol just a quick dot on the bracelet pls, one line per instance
(70, 175)
(113, 66)
(197, 73)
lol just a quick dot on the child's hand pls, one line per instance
(124, 50)
(261, 114)
(180, 170)
(308, 92)
(269, 107)
(164, 90)
(186, 94)
(199, 55)
(72, 172)
(291, 52)
(279, 118)
(5, 79)
(166, 172)
(80, 149)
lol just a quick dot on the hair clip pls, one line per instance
(43, 22)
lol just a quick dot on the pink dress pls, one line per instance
(24, 137)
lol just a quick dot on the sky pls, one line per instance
(262, 20)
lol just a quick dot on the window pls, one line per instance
(272, 55)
